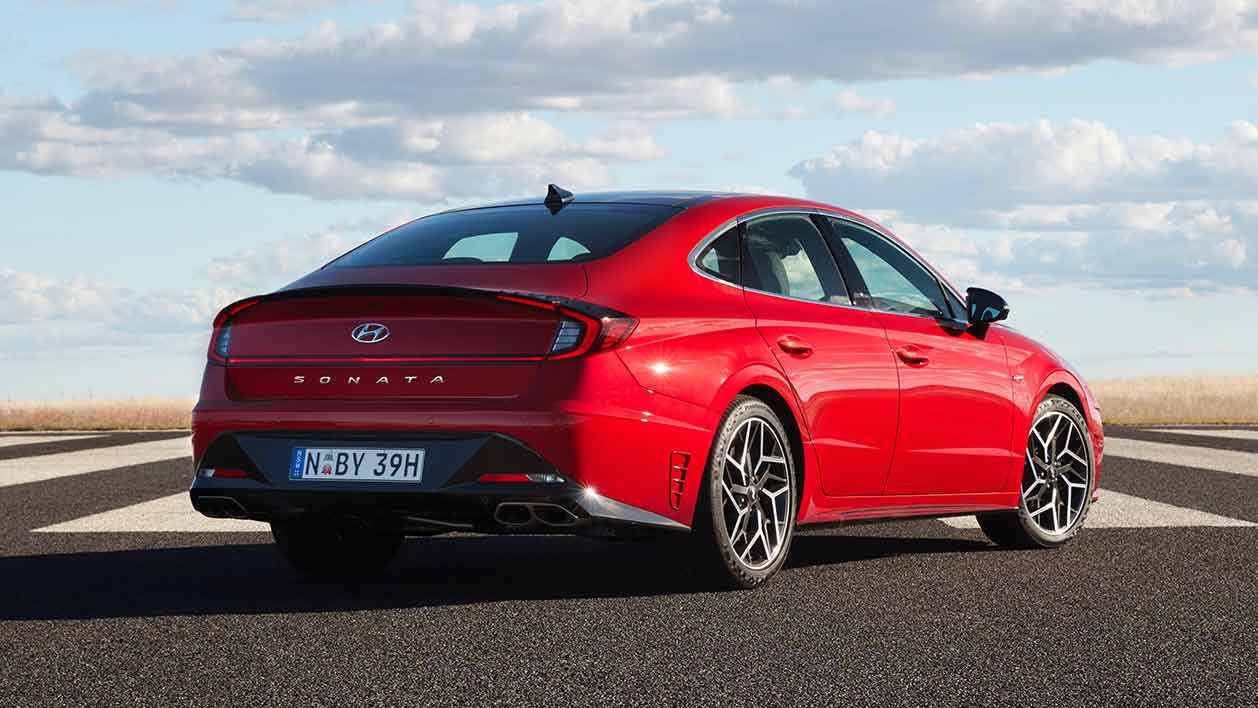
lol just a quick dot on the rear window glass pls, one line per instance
(518, 234)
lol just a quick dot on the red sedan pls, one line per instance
(721, 367)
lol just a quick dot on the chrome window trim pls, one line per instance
(693, 258)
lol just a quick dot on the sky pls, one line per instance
(1095, 161)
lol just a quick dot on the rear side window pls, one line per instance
(786, 255)
(720, 258)
(516, 234)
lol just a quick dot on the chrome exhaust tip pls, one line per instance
(221, 508)
(525, 514)
(513, 514)
(554, 515)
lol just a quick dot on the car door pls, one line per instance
(834, 355)
(956, 409)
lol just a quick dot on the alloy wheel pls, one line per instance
(1057, 476)
(757, 494)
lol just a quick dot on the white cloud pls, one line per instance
(848, 101)
(657, 58)
(460, 100)
(996, 166)
(279, 10)
(27, 298)
(609, 55)
(1046, 204)
(273, 264)
(1232, 252)
(459, 157)
(1106, 255)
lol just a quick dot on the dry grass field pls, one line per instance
(1179, 399)
(1153, 400)
(129, 414)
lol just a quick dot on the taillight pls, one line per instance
(221, 340)
(615, 330)
(582, 327)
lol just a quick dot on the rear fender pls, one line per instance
(766, 376)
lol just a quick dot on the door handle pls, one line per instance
(794, 346)
(912, 356)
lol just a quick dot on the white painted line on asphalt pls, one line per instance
(65, 464)
(1123, 511)
(1233, 433)
(7, 440)
(1202, 458)
(172, 514)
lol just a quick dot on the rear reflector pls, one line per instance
(511, 477)
(222, 473)
(504, 477)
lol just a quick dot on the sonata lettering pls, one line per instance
(355, 380)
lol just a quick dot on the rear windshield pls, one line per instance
(517, 234)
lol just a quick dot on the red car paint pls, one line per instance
(896, 415)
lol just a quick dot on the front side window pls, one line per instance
(895, 281)
(786, 255)
(511, 234)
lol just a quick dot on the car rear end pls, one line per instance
(444, 377)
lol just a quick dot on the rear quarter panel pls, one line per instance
(696, 340)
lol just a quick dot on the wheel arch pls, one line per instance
(768, 385)
(1067, 392)
(1065, 384)
(775, 400)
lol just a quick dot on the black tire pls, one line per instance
(324, 548)
(711, 547)
(1016, 529)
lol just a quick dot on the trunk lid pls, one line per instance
(386, 342)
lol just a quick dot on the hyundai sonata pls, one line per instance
(722, 367)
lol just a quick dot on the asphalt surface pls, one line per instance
(920, 613)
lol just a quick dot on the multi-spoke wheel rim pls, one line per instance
(1057, 476)
(756, 493)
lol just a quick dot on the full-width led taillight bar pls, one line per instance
(582, 328)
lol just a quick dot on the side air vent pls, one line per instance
(678, 464)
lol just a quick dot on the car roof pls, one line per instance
(678, 198)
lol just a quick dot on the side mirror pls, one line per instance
(984, 306)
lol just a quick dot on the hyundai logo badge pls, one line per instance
(370, 333)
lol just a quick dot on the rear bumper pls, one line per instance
(482, 508)
(450, 495)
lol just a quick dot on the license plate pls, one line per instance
(357, 464)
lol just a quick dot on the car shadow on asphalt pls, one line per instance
(253, 578)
